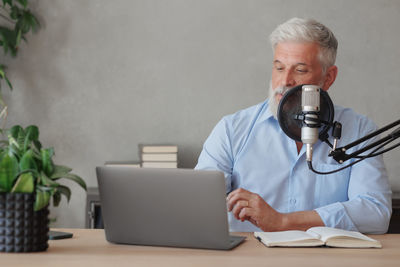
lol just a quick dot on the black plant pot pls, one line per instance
(21, 228)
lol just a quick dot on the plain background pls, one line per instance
(102, 76)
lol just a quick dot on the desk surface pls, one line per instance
(88, 247)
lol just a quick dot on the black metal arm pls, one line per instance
(339, 154)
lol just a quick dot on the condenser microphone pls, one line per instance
(306, 101)
(310, 106)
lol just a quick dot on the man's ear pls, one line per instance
(330, 77)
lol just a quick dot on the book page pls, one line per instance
(328, 232)
(291, 238)
(343, 238)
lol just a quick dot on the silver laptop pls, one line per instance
(165, 207)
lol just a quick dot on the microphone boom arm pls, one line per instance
(339, 154)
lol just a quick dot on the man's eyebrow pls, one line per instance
(300, 63)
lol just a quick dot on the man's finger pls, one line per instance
(235, 199)
(239, 191)
(246, 213)
(235, 196)
(239, 206)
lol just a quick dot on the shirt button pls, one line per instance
(292, 201)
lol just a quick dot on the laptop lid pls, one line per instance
(164, 207)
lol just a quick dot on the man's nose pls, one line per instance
(288, 79)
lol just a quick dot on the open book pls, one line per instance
(317, 236)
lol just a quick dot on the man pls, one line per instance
(269, 184)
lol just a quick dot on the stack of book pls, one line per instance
(159, 156)
(131, 164)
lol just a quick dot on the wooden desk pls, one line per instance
(88, 247)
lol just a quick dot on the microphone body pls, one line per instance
(310, 105)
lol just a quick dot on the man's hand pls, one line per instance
(249, 206)
(246, 205)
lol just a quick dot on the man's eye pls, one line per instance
(279, 68)
(301, 70)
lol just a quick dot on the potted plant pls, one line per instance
(28, 177)
(28, 180)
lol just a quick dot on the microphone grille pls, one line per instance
(310, 97)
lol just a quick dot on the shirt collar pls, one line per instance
(265, 113)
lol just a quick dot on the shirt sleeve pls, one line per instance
(217, 152)
(369, 207)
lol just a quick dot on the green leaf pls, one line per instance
(51, 190)
(14, 147)
(37, 145)
(46, 181)
(2, 72)
(8, 82)
(21, 139)
(32, 21)
(16, 138)
(31, 134)
(47, 163)
(27, 162)
(4, 76)
(15, 130)
(56, 198)
(8, 171)
(75, 178)
(9, 2)
(18, 39)
(26, 21)
(64, 191)
(35, 24)
(42, 199)
(15, 12)
(24, 184)
(60, 171)
(8, 38)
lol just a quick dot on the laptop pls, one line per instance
(165, 207)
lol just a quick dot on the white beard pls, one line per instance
(273, 102)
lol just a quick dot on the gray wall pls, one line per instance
(103, 76)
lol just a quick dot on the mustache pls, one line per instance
(282, 90)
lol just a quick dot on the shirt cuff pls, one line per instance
(335, 215)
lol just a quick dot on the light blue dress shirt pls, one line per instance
(255, 154)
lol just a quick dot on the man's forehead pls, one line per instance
(296, 52)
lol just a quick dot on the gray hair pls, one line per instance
(308, 30)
